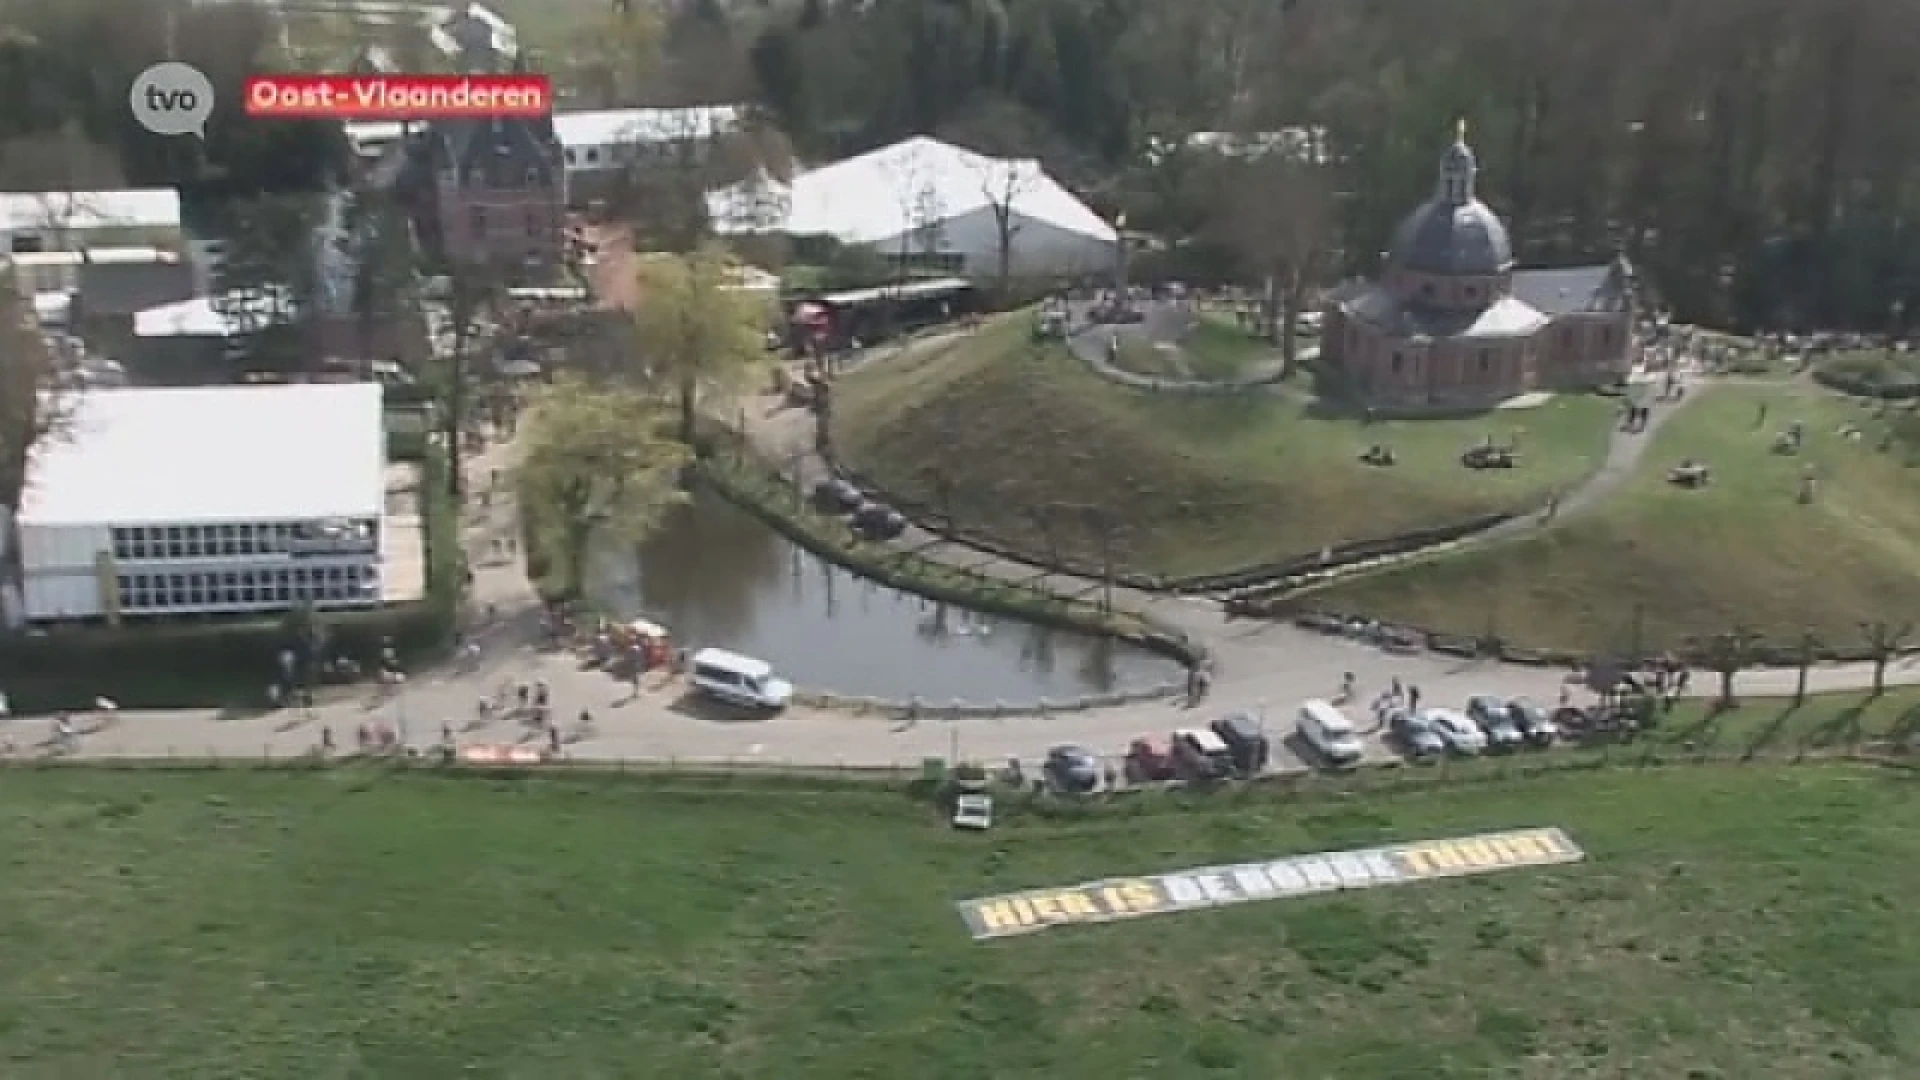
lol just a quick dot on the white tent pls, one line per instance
(937, 204)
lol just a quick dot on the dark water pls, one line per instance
(714, 575)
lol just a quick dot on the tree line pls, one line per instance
(1758, 158)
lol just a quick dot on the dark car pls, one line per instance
(1533, 722)
(1493, 717)
(836, 496)
(1246, 740)
(1419, 739)
(1072, 769)
(876, 522)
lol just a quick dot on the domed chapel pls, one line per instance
(1452, 324)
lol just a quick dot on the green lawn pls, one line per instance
(1729, 922)
(1201, 484)
(1690, 563)
(1873, 369)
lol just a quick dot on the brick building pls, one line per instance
(1453, 324)
(495, 188)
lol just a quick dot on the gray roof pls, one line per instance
(1443, 238)
(1506, 317)
(1570, 289)
(500, 152)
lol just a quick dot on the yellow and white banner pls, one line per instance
(1280, 879)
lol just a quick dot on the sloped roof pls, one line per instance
(1504, 318)
(890, 191)
(1568, 290)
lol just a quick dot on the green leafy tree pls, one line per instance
(697, 333)
(596, 462)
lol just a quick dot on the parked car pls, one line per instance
(1199, 754)
(1149, 762)
(1328, 731)
(1461, 734)
(1246, 739)
(1072, 769)
(1533, 722)
(836, 496)
(1416, 735)
(1491, 714)
(973, 811)
(876, 522)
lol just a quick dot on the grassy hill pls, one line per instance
(1742, 550)
(1202, 484)
(1729, 922)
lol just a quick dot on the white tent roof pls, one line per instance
(212, 454)
(887, 192)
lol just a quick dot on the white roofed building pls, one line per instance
(598, 146)
(934, 205)
(162, 502)
(77, 220)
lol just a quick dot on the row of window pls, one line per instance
(539, 222)
(279, 587)
(213, 541)
(620, 153)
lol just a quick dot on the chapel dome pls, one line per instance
(1454, 233)
(1440, 238)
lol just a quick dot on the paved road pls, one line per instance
(1262, 666)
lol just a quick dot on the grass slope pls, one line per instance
(1697, 562)
(1730, 922)
(1203, 484)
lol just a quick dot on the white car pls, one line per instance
(1457, 730)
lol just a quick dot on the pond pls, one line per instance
(715, 575)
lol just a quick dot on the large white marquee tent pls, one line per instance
(934, 203)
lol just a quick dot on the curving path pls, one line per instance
(1262, 666)
(1166, 324)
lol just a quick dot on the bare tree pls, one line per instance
(1806, 651)
(1727, 655)
(1276, 211)
(908, 181)
(31, 410)
(1884, 641)
(475, 289)
(1003, 182)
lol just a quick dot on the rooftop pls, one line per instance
(134, 208)
(610, 127)
(206, 316)
(213, 455)
(886, 192)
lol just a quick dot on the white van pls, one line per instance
(1329, 732)
(739, 680)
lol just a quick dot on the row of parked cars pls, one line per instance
(872, 520)
(1238, 744)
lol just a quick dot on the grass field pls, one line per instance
(1217, 350)
(1742, 551)
(1201, 484)
(1729, 922)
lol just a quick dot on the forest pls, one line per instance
(1758, 159)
